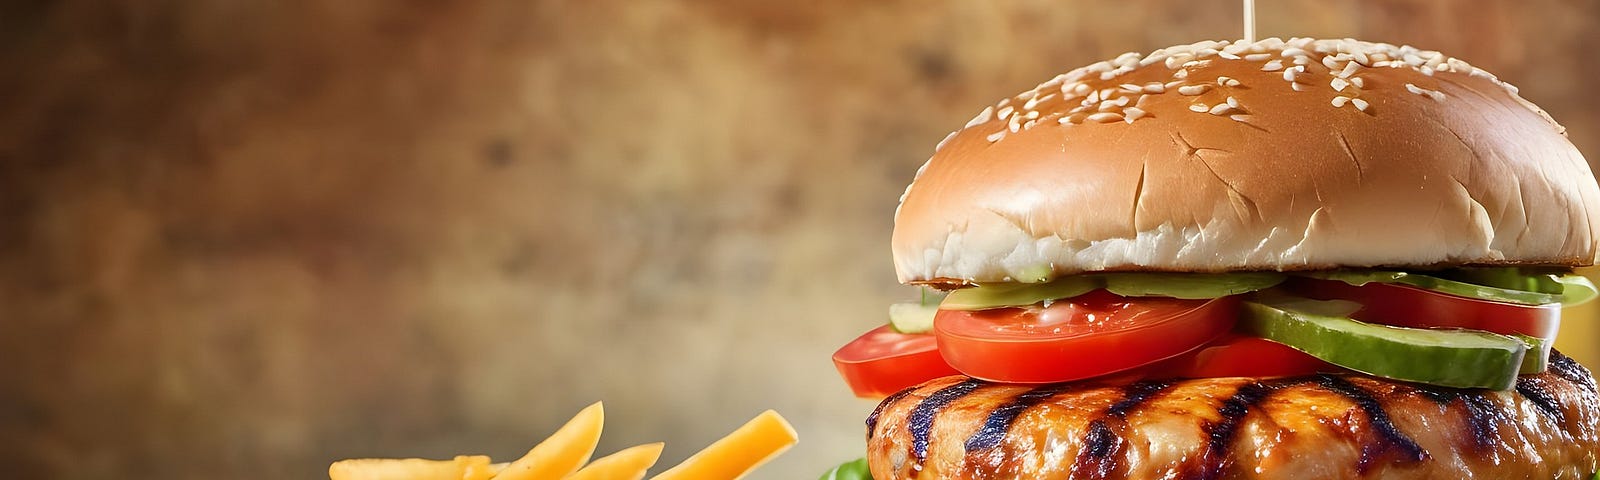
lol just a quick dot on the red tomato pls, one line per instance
(883, 361)
(1087, 336)
(1406, 306)
(1242, 356)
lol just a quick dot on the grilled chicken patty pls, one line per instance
(1327, 426)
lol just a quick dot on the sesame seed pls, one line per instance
(1173, 84)
(1297, 86)
(1174, 61)
(1362, 58)
(1290, 74)
(1015, 123)
(996, 136)
(1272, 66)
(1192, 90)
(1081, 89)
(1130, 88)
(1228, 55)
(1233, 102)
(1098, 67)
(1293, 52)
(1222, 109)
(1302, 60)
(1257, 57)
(1076, 74)
(1006, 112)
(1358, 82)
(1105, 117)
(946, 140)
(1340, 101)
(1239, 117)
(1331, 63)
(1199, 108)
(1359, 103)
(1134, 113)
(1339, 84)
(1003, 103)
(1154, 87)
(1030, 124)
(1094, 97)
(982, 118)
(1108, 75)
(1223, 80)
(1035, 101)
(1181, 73)
(1426, 70)
(1032, 114)
(1481, 73)
(1349, 69)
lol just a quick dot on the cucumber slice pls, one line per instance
(1451, 358)
(996, 295)
(1538, 357)
(1576, 289)
(1192, 286)
(911, 317)
(1442, 285)
(1176, 285)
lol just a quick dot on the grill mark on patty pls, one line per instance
(872, 419)
(1482, 413)
(920, 422)
(1390, 439)
(1214, 460)
(1103, 442)
(1570, 370)
(1537, 392)
(1000, 419)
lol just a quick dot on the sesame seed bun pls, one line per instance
(1306, 154)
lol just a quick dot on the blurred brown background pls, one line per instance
(243, 239)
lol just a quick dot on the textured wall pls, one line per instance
(243, 239)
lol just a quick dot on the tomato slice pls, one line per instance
(1407, 306)
(1236, 355)
(883, 361)
(1086, 336)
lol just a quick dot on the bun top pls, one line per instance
(1275, 155)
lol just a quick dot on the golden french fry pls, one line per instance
(406, 468)
(737, 454)
(562, 453)
(478, 469)
(628, 464)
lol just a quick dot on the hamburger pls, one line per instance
(1276, 259)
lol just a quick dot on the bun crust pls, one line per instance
(1297, 155)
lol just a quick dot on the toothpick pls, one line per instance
(1249, 21)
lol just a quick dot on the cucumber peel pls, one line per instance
(1451, 358)
(1190, 286)
(1441, 285)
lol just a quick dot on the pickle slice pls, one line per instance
(1451, 358)
(912, 317)
(1441, 285)
(1189, 286)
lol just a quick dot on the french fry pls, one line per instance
(737, 454)
(564, 452)
(628, 464)
(407, 468)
